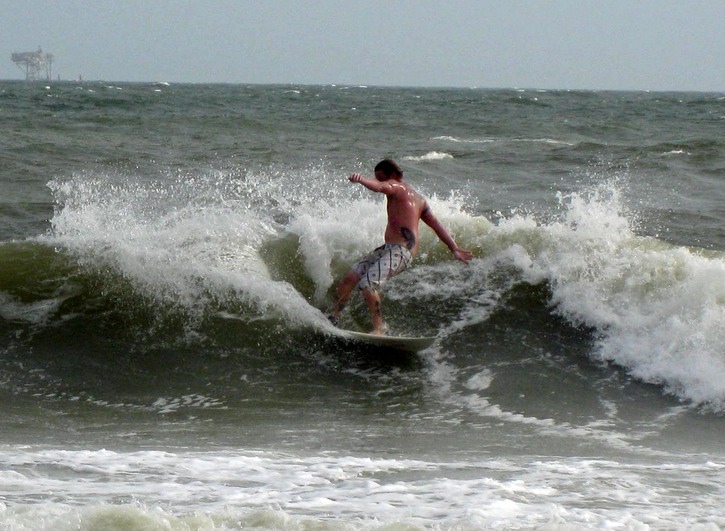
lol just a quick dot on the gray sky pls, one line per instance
(564, 44)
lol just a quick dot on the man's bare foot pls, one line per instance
(382, 330)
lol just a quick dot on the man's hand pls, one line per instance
(371, 184)
(463, 255)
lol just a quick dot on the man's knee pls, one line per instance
(348, 282)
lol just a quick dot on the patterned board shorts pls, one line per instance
(383, 263)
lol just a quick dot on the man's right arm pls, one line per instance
(386, 188)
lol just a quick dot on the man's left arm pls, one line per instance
(430, 219)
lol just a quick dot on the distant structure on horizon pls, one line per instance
(36, 65)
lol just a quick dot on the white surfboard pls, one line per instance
(406, 343)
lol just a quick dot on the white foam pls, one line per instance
(464, 140)
(12, 309)
(430, 156)
(170, 405)
(52, 489)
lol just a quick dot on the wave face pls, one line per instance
(170, 261)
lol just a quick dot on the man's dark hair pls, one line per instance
(389, 167)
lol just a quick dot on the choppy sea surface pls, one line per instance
(167, 253)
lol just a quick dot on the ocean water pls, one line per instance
(167, 253)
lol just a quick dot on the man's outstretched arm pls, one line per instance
(371, 184)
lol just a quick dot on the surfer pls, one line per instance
(405, 208)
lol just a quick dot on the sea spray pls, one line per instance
(658, 310)
(192, 243)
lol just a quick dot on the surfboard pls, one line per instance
(405, 343)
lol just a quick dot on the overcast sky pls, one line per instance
(555, 44)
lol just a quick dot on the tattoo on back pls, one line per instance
(409, 237)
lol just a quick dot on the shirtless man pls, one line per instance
(406, 208)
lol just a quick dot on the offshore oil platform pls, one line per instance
(36, 65)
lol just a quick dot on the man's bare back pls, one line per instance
(405, 208)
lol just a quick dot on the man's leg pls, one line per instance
(372, 298)
(344, 291)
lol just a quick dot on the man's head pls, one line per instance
(388, 169)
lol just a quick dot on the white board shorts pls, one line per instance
(383, 263)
